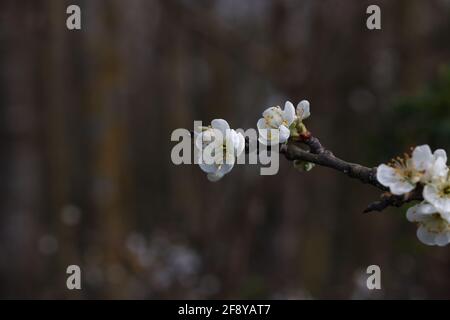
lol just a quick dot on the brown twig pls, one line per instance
(390, 200)
(309, 148)
(317, 154)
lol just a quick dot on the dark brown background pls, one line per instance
(85, 170)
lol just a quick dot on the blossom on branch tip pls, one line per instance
(433, 227)
(274, 126)
(218, 147)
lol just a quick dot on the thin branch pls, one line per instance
(317, 154)
(309, 148)
(390, 200)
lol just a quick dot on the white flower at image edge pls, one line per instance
(433, 227)
(402, 176)
(273, 127)
(438, 194)
(229, 144)
(433, 165)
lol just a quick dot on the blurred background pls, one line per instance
(85, 171)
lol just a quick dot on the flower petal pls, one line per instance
(221, 125)
(442, 239)
(440, 154)
(261, 124)
(214, 177)
(225, 168)
(439, 169)
(386, 175)
(289, 112)
(204, 138)
(199, 141)
(422, 157)
(208, 168)
(271, 111)
(426, 209)
(303, 111)
(284, 134)
(231, 141)
(239, 144)
(425, 236)
(401, 187)
(269, 136)
(273, 117)
(230, 157)
(263, 140)
(432, 194)
(262, 129)
(420, 212)
(413, 214)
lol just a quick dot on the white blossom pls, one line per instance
(219, 146)
(435, 177)
(273, 127)
(433, 227)
(438, 194)
(402, 174)
(400, 177)
(432, 165)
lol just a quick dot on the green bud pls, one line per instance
(293, 130)
(303, 166)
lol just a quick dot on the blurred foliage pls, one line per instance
(420, 118)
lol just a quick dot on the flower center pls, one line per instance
(446, 190)
(436, 224)
(269, 122)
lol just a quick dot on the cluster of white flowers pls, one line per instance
(430, 171)
(218, 145)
